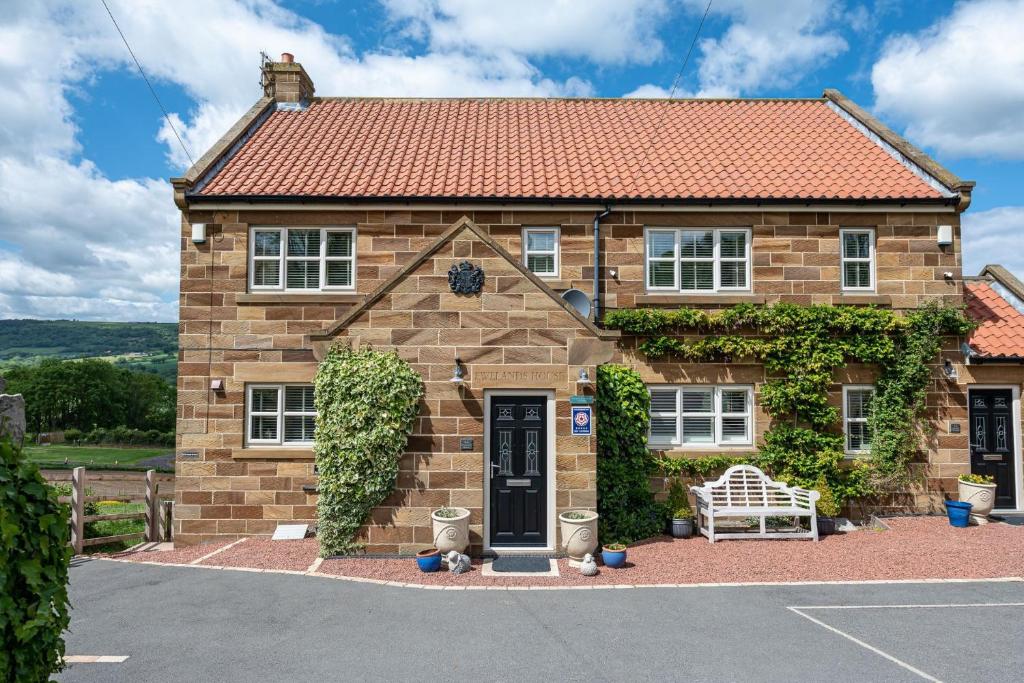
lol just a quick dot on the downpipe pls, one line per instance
(597, 262)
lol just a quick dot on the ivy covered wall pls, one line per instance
(801, 349)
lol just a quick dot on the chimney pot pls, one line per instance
(287, 82)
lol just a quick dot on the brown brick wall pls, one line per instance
(224, 492)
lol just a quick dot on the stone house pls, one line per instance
(337, 220)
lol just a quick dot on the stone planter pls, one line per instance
(579, 536)
(451, 533)
(981, 497)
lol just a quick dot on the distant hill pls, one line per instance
(149, 347)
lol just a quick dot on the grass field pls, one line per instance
(90, 456)
(115, 527)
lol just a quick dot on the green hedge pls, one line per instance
(34, 558)
(367, 402)
(626, 505)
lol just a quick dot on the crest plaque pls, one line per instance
(465, 278)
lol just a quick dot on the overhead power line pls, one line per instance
(152, 91)
(671, 93)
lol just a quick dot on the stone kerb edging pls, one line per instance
(313, 571)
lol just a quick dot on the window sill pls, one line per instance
(272, 453)
(682, 452)
(710, 299)
(866, 298)
(298, 298)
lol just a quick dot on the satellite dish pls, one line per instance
(578, 300)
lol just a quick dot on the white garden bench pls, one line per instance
(746, 491)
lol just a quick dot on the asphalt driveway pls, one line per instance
(191, 624)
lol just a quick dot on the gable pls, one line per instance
(419, 294)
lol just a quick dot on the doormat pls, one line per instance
(520, 565)
(1016, 520)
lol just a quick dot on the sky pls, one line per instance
(88, 228)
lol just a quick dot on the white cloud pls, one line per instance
(767, 45)
(603, 31)
(986, 235)
(73, 242)
(958, 84)
(649, 91)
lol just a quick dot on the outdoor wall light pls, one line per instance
(198, 233)
(458, 379)
(217, 385)
(584, 378)
(951, 374)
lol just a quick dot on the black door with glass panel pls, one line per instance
(518, 462)
(992, 447)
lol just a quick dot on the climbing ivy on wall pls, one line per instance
(367, 402)
(801, 347)
(624, 501)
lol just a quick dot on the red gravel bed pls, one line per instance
(914, 548)
(182, 555)
(262, 553)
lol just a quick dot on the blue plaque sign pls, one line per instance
(581, 420)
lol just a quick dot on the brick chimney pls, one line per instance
(287, 81)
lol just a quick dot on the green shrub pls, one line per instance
(977, 478)
(827, 505)
(72, 435)
(678, 502)
(367, 402)
(624, 499)
(34, 557)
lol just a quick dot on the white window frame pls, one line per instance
(717, 414)
(716, 259)
(283, 258)
(543, 252)
(870, 260)
(847, 388)
(281, 413)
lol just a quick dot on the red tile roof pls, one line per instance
(563, 148)
(1000, 333)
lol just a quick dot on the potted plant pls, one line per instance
(681, 513)
(579, 534)
(980, 491)
(429, 560)
(827, 508)
(451, 529)
(614, 555)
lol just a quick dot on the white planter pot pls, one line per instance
(981, 497)
(451, 533)
(579, 536)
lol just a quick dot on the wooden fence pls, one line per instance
(157, 514)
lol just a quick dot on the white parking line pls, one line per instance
(95, 659)
(797, 609)
(952, 604)
(872, 648)
(218, 550)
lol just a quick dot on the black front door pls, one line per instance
(992, 448)
(517, 468)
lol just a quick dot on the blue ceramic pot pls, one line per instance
(959, 513)
(429, 560)
(613, 558)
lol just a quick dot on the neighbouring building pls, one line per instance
(321, 220)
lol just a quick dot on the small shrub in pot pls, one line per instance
(827, 508)
(979, 490)
(682, 514)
